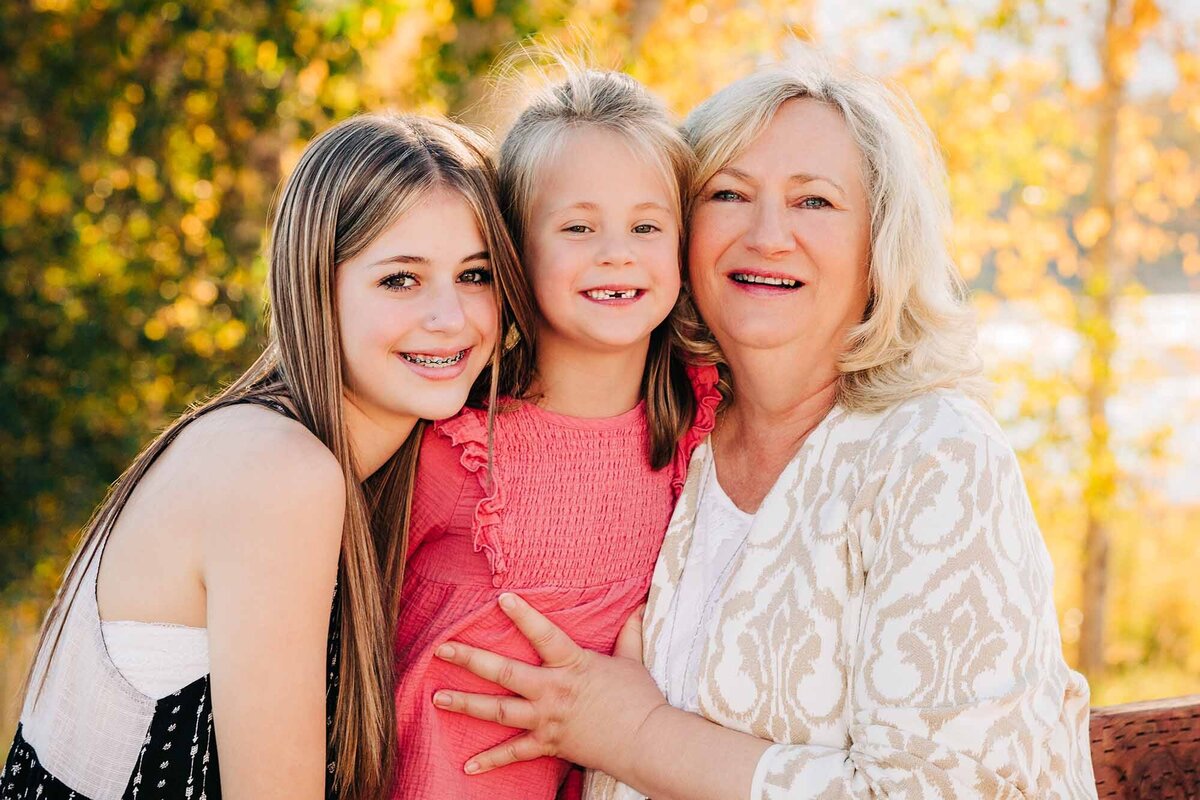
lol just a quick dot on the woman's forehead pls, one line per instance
(805, 138)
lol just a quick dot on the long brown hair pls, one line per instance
(611, 101)
(351, 183)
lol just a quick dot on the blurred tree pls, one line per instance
(1068, 187)
(1104, 279)
(452, 58)
(142, 144)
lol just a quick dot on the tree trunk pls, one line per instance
(1102, 282)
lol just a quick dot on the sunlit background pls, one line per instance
(141, 143)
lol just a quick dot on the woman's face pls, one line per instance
(780, 239)
(417, 313)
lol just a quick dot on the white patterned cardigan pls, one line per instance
(890, 625)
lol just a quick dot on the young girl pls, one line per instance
(229, 590)
(568, 501)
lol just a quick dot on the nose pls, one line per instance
(445, 313)
(769, 235)
(615, 250)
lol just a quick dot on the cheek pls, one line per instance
(353, 325)
(482, 315)
(842, 267)
(375, 325)
(702, 272)
(664, 260)
(707, 238)
(548, 262)
(551, 278)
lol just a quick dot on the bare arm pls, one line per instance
(270, 564)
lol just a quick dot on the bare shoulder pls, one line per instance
(250, 442)
(246, 467)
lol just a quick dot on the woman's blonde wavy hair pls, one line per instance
(918, 333)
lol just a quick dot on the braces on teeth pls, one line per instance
(434, 361)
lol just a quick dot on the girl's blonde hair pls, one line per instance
(615, 102)
(351, 184)
(918, 333)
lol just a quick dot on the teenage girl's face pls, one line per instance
(603, 245)
(417, 314)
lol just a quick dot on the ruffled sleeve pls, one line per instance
(704, 388)
(468, 433)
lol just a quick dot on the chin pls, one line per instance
(609, 340)
(755, 335)
(438, 408)
(423, 402)
(436, 414)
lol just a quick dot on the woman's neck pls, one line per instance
(778, 401)
(587, 383)
(776, 405)
(375, 435)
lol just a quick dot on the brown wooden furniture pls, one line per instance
(1148, 751)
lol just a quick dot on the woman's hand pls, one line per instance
(579, 705)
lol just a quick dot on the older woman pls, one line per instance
(853, 599)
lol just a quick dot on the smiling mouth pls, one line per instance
(613, 294)
(751, 279)
(436, 362)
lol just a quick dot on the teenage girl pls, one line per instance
(568, 500)
(228, 596)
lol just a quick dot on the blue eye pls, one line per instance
(480, 277)
(399, 281)
(814, 202)
(726, 196)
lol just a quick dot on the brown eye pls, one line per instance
(479, 277)
(399, 281)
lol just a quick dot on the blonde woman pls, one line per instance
(232, 593)
(853, 599)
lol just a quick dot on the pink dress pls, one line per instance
(572, 521)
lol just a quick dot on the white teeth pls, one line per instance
(434, 361)
(787, 283)
(612, 294)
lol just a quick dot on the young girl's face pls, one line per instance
(416, 312)
(602, 250)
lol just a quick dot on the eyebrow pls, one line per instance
(799, 177)
(482, 255)
(589, 206)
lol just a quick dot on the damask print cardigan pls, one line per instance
(890, 624)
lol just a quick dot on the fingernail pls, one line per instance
(508, 601)
(471, 768)
(445, 651)
(441, 699)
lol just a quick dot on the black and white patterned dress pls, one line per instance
(93, 736)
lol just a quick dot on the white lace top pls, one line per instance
(721, 531)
